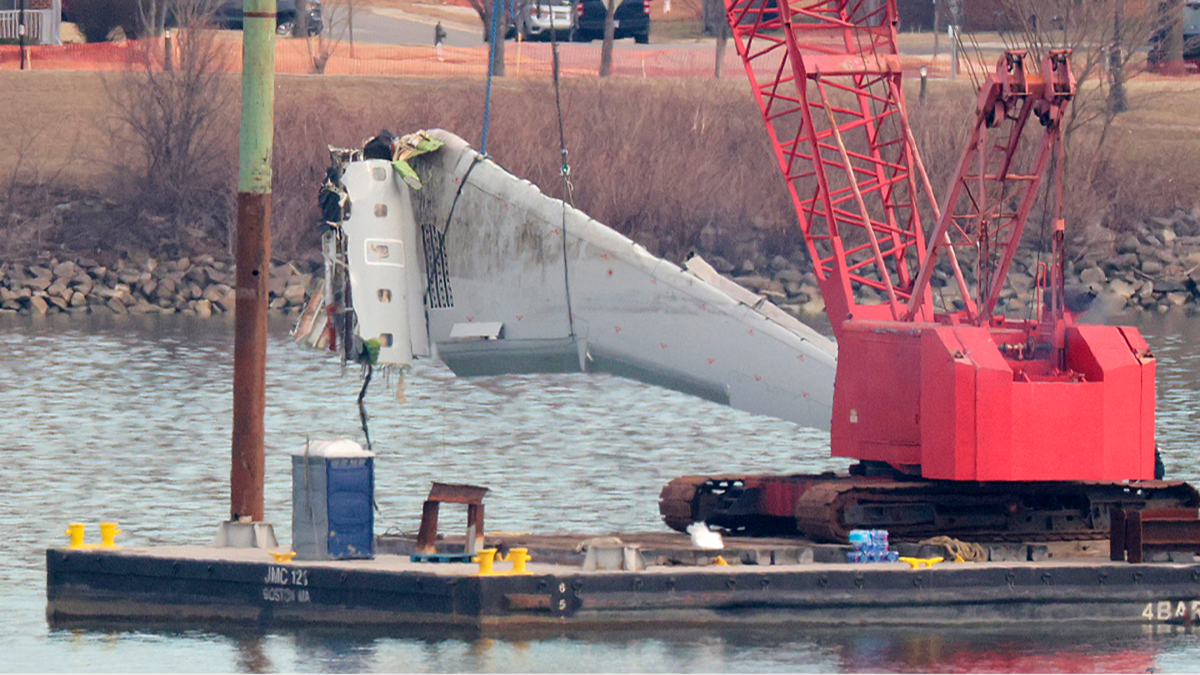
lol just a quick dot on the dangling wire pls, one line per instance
(565, 172)
(438, 259)
(362, 407)
(487, 95)
(962, 49)
(1043, 240)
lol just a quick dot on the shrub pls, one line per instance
(175, 132)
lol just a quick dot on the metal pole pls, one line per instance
(253, 259)
(955, 25)
(168, 51)
(953, 52)
(21, 36)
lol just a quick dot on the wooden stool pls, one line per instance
(472, 496)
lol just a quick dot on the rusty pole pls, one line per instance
(253, 259)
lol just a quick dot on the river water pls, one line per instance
(128, 419)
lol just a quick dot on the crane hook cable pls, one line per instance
(487, 95)
(565, 172)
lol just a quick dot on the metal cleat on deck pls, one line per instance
(75, 532)
(108, 535)
(488, 557)
(518, 557)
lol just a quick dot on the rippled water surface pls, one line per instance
(128, 419)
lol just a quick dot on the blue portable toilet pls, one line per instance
(333, 498)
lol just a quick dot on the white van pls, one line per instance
(534, 19)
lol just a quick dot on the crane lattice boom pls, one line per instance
(958, 391)
(827, 78)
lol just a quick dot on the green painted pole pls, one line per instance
(258, 96)
(253, 259)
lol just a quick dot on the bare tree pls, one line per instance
(338, 20)
(174, 123)
(610, 30)
(300, 23)
(1118, 98)
(937, 25)
(485, 8)
(29, 193)
(1104, 36)
(717, 25)
(1167, 55)
(153, 15)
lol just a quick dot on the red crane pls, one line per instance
(964, 420)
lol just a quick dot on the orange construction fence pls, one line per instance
(299, 56)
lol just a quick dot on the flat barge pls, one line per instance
(765, 584)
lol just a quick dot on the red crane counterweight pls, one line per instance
(977, 403)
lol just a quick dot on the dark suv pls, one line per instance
(229, 15)
(632, 19)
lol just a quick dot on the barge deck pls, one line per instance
(195, 585)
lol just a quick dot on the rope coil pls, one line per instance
(958, 550)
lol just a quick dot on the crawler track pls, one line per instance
(826, 507)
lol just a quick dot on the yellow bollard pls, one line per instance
(485, 558)
(282, 556)
(75, 532)
(108, 535)
(914, 563)
(720, 562)
(518, 557)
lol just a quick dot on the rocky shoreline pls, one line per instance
(202, 287)
(1154, 266)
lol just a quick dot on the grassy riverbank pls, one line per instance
(675, 164)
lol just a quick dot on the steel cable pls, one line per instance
(565, 172)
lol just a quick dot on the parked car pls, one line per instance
(97, 18)
(632, 19)
(1191, 36)
(229, 15)
(534, 20)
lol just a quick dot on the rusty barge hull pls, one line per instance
(194, 586)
